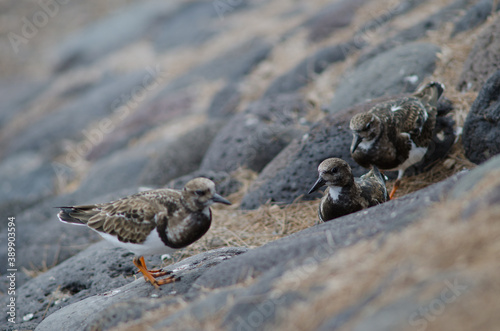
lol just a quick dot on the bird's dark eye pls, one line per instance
(334, 170)
(199, 192)
(368, 126)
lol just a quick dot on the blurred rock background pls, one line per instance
(103, 99)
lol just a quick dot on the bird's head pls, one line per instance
(365, 127)
(199, 193)
(333, 172)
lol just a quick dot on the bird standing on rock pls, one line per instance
(345, 193)
(396, 134)
(151, 222)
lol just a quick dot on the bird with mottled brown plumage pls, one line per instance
(346, 194)
(396, 134)
(151, 222)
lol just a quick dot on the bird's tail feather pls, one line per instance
(382, 179)
(78, 215)
(378, 174)
(430, 92)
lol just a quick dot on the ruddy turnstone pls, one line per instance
(347, 194)
(151, 222)
(396, 134)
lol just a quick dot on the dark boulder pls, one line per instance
(481, 134)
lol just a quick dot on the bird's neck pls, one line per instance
(191, 204)
(336, 192)
(188, 229)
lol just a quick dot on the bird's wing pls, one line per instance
(412, 116)
(130, 219)
(373, 188)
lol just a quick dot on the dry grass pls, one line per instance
(251, 228)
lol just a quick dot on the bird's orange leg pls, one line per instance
(394, 188)
(151, 275)
(141, 265)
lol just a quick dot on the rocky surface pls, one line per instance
(393, 72)
(305, 71)
(475, 15)
(432, 20)
(105, 99)
(481, 131)
(102, 268)
(483, 60)
(254, 137)
(251, 292)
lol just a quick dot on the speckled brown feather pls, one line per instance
(151, 222)
(176, 215)
(393, 126)
(352, 194)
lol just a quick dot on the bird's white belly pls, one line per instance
(416, 154)
(152, 246)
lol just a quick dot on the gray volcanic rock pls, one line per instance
(118, 171)
(292, 172)
(25, 179)
(181, 156)
(267, 265)
(111, 33)
(240, 303)
(252, 138)
(401, 8)
(430, 22)
(189, 25)
(332, 17)
(16, 94)
(483, 60)
(305, 71)
(160, 110)
(97, 283)
(396, 71)
(193, 23)
(232, 65)
(481, 134)
(475, 15)
(71, 121)
(98, 269)
(224, 102)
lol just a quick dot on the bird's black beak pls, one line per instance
(218, 198)
(320, 182)
(356, 140)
